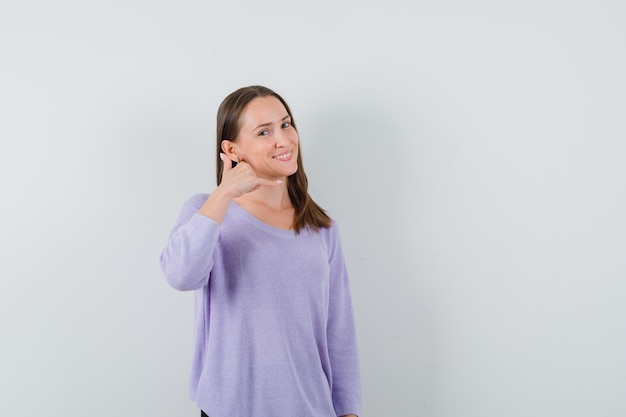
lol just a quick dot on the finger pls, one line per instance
(226, 162)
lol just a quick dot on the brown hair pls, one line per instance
(308, 213)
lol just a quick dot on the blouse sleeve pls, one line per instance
(341, 332)
(187, 258)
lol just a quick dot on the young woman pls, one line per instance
(275, 333)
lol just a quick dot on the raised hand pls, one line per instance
(236, 182)
(241, 179)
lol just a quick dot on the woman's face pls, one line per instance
(266, 141)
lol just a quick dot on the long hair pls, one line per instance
(308, 213)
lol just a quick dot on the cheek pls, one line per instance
(261, 152)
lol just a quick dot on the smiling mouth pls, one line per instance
(283, 156)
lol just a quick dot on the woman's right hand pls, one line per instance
(241, 179)
(236, 182)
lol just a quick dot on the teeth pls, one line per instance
(283, 156)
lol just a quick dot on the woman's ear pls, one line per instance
(230, 149)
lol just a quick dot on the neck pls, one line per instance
(276, 198)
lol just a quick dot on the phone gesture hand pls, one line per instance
(242, 179)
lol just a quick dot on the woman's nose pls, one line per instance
(282, 138)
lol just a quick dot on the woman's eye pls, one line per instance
(286, 125)
(264, 133)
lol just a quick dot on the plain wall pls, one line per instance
(472, 152)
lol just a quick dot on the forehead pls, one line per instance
(263, 110)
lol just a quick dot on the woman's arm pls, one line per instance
(187, 258)
(341, 333)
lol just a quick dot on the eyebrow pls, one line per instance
(270, 123)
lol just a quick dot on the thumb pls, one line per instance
(226, 162)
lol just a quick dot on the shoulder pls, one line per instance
(334, 225)
(195, 201)
(191, 207)
(332, 233)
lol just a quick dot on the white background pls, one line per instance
(472, 152)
